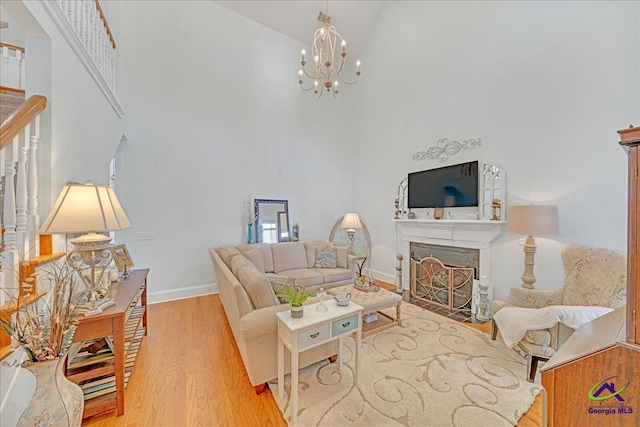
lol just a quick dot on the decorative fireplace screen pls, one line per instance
(447, 287)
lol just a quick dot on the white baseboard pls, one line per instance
(182, 293)
(389, 278)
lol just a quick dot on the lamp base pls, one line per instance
(91, 308)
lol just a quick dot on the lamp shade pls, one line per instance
(351, 221)
(83, 208)
(533, 220)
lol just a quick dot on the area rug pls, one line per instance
(431, 371)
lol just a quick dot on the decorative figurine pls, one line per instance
(495, 206)
(295, 232)
(321, 305)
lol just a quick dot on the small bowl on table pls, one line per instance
(343, 299)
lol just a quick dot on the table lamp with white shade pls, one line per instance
(91, 209)
(351, 221)
(532, 220)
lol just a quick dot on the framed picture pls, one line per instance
(438, 213)
(121, 257)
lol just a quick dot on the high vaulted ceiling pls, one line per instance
(298, 19)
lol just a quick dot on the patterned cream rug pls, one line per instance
(432, 371)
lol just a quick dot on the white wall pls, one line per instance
(215, 116)
(544, 84)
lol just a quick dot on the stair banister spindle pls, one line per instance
(20, 61)
(33, 219)
(21, 190)
(84, 12)
(78, 18)
(9, 258)
(92, 44)
(64, 6)
(5, 66)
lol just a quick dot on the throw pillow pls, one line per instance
(342, 256)
(255, 256)
(326, 257)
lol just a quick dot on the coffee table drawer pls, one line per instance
(313, 335)
(341, 326)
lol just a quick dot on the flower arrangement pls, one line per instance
(45, 328)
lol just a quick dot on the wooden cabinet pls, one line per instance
(630, 138)
(103, 371)
(594, 378)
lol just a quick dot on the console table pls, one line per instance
(103, 376)
(313, 329)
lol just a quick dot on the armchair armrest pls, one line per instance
(535, 298)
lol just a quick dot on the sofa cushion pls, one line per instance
(331, 275)
(304, 276)
(239, 261)
(288, 256)
(255, 256)
(310, 249)
(342, 256)
(325, 258)
(257, 286)
(265, 250)
(226, 252)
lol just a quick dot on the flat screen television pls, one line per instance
(446, 187)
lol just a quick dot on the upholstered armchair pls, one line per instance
(593, 277)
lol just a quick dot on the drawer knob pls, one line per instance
(315, 335)
(344, 325)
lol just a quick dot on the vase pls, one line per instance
(56, 401)
(297, 312)
(249, 233)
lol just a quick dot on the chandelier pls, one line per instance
(329, 53)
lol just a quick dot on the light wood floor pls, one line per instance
(189, 373)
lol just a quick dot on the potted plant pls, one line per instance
(359, 278)
(295, 295)
(44, 329)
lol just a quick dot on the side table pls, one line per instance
(126, 323)
(313, 329)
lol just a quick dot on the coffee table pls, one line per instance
(373, 302)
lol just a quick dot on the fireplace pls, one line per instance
(459, 243)
(441, 278)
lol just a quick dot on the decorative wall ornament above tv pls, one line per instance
(445, 148)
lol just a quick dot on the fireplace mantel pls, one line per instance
(476, 234)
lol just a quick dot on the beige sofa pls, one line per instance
(243, 274)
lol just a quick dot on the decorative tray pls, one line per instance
(372, 288)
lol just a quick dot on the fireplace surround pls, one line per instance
(473, 234)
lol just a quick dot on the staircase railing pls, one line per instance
(86, 19)
(19, 135)
(12, 67)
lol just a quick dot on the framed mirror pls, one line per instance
(272, 221)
